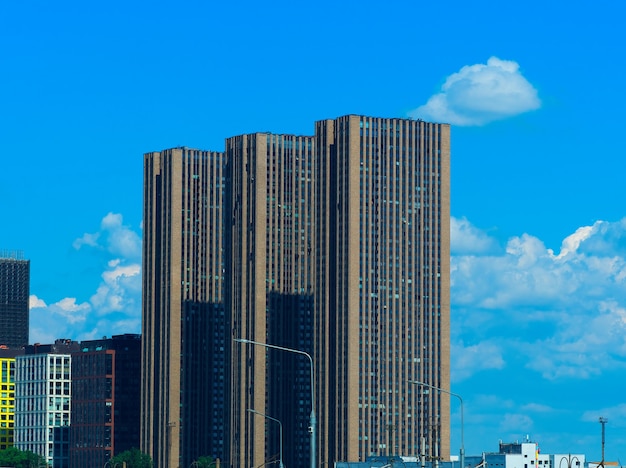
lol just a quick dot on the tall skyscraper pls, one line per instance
(335, 244)
(14, 292)
(271, 281)
(183, 406)
(389, 254)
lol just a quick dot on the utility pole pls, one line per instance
(602, 421)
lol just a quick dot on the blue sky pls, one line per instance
(533, 90)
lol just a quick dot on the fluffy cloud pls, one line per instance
(466, 239)
(121, 240)
(120, 288)
(114, 307)
(474, 358)
(34, 302)
(87, 239)
(537, 408)
(617, 413)
(114, 237)
(563, 314)
(58, 320)
(481, 93)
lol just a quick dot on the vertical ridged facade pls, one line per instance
(335, 244)
(390, 267)
(271, 271)
(183, 326)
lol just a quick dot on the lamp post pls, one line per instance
(569, 460)
(297, 351)
(462, 451)
(281, 432)
(390, 465)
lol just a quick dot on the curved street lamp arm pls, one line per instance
(291, 350)
(312, 417)
(423, 384)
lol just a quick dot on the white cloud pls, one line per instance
(474, 358)
(121, 240)
(121, 287)
(59, 320)
(70, 310)
(563, 315)
(615, 414)
(537, 408)
(467, 239)
(34, 302)
(114, 237)
(115, 306)
(90, 240)
(571, 243)
(481, 93)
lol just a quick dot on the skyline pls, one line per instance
(538, 219)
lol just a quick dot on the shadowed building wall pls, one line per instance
(270, 265)
(183, 407)
(106, 383)
(335, 244)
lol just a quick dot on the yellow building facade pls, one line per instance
(7, 401)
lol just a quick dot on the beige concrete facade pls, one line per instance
(336, 244)
(270, 255)
(182, 264)
(392, 298)
(380, 208)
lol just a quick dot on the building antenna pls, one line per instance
(602, 421)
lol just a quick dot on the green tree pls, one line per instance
(17, 458)
(134, 458)
(204, 462)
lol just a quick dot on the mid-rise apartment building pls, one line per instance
(7, 395)
(43, 380)
(106, 384)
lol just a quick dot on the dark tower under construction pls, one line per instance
(14, 292)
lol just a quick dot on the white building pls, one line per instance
(524, 455)
(510, 455)
(43, 401)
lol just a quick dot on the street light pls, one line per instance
(390, 465)
(297, 351)
(462, 451)
(281, 432)
(569, 459)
